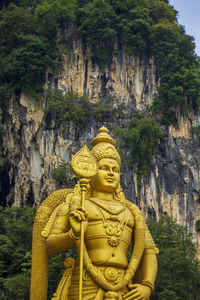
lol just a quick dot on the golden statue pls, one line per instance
(103, 225)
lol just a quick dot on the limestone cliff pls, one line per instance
(35, 147)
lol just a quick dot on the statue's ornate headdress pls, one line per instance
(104, 146)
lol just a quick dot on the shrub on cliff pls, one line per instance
(67, 107)
(64, 176)
(96, 26)
(144, 28)
(178, 69)
(24, 55)
(27, 65)
(142, 137)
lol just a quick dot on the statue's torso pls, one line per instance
(109, 232)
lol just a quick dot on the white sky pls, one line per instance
(189, 17)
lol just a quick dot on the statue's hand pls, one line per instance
(138, 292)
(75, 219)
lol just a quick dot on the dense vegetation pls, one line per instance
(179, 269)
(15, 254)
(64, 176)
(35, 34)
(67, 107)
(141, 137)
(178, 276)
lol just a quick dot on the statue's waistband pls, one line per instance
(113, 275)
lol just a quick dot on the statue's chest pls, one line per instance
(113, 220)
(113, 211)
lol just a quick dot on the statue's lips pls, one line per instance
(109, 179)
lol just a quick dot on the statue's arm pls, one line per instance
(149, 264)
(147, 273)
(146, 276)
(57, 243)
(60, 237)
(143, 283)
(66, 227)
(149, 268)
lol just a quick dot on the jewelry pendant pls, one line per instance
(113, 241)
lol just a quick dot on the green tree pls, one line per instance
(15, 254)
(64, 176)
(102, 110)
(21, 3)
(125, 6)
(96, 27)
(142, 137)
(24, 55)
(178, 69)
(68, 107)
(15, 251)
(53, 15)
(14, 21)
(134, 28)
(27, 64)
(179, 270)
(161, 11)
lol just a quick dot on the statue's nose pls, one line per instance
(111, 171)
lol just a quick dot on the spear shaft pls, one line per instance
(84, 166)
(83, 184)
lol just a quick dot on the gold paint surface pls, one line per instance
(96, 217)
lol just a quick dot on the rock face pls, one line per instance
(35, 148)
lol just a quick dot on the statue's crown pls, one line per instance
(104, 146)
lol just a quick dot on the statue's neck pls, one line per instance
(103, 195)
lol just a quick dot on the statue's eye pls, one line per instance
(105, 168)
(115, 169)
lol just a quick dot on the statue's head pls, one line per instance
(107, 177)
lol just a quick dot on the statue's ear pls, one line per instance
(40, 258)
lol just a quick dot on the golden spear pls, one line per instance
(84, 166)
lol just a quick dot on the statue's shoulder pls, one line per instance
(133, 208)
(63, 209)
(54, 206)
(51, 203)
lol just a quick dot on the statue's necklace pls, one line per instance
(113, 227)
(110, 208)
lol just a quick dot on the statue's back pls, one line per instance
(40, 258)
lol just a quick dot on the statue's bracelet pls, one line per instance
(149, 284)
(73, 236)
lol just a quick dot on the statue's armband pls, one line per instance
(149, 242)
(58, 222)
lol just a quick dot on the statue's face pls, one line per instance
(107, 177)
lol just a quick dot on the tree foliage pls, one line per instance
(34, 34)
(15, 251)
(15, 254)
(178, 69)
(64, 176)
(141, 137)
(27, 64)
(24, 55)
(67, 107)
(179, 269)
(96, 22)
